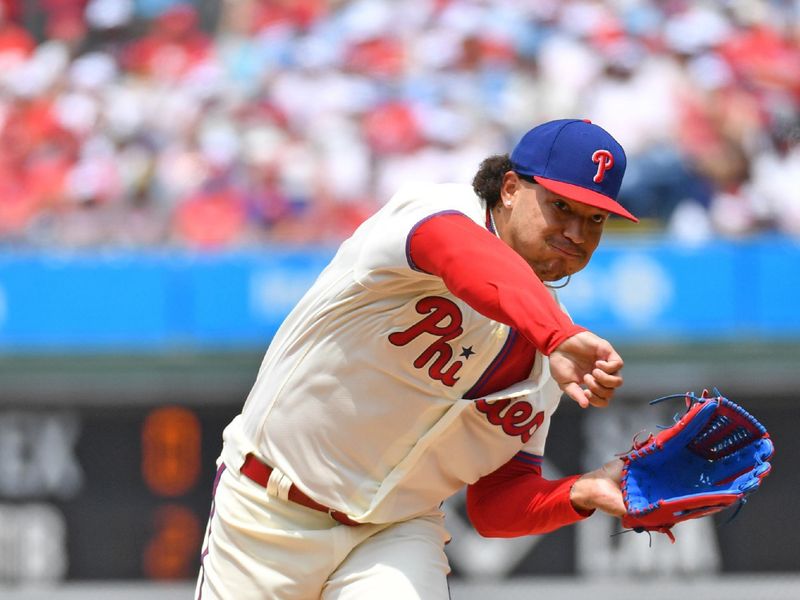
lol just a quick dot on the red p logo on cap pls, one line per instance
(605, 161)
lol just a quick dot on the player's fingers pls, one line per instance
(609, 366)
(574, 391)
(607, 380)
(591, 384)
(595, 400)
(596, 394)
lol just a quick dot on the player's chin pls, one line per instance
(557, 270)
(575, 264)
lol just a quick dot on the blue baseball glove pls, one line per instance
(711, 458)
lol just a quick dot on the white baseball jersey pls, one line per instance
(366, 396)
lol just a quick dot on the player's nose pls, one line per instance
(574, 229)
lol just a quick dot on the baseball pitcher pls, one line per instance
(430, 354)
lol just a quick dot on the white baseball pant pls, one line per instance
(258, 546)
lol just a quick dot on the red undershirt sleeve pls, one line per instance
(515, 500)
(487, 274)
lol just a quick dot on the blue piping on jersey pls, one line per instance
(472, 393)
(528, 458)
(414, 229)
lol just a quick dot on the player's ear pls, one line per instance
(509, 188)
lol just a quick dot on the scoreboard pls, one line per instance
(106, 492)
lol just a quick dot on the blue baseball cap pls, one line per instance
(575, 159)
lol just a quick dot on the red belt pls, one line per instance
(257, 471)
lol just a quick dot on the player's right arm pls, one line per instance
(488, 275)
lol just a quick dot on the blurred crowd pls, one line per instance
(142, 123)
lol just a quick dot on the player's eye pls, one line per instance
(599, 219)
(561, 205)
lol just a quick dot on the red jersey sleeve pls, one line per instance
(516, 500)
(488, 275)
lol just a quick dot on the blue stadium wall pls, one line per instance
(639, 291)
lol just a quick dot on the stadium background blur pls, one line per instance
(174, 174)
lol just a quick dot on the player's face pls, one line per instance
(554, 235)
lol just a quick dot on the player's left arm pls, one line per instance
(515, 500)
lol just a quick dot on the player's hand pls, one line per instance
(599, 489)
(587, 369)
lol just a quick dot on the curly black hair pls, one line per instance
(489, 178)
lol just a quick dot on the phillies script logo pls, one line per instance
(604, 160)
(516, 419)
(443, 321)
